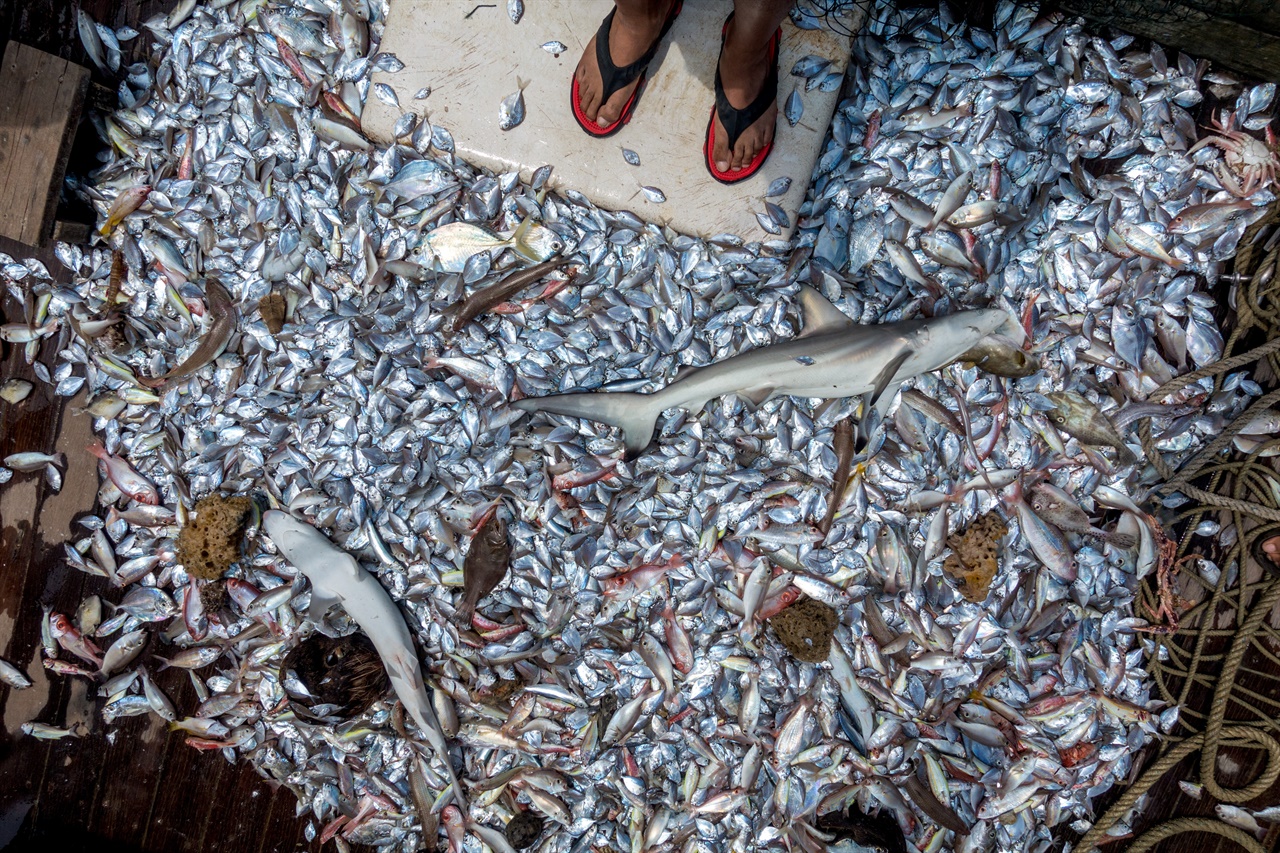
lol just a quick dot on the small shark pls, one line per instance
(831, 357)
(336, 578)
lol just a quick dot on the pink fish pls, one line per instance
(573, 479)
(625, 586)
(62, 667)
(454, 827)
(127, 202)
(126, 479)
(243, 594)
(677, 640)
(193, 615)
(185, 164)
(73, 641)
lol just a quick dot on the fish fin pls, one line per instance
(753, 397)
(684, 372)
(517, 236)
(1124, 455)
(819, 315)
(876, 402)
(321, 603)
(635, 414)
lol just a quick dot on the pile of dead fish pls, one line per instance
(623, 683)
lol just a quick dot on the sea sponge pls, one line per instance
(210, 543)
(524, 829)
(806, 628)
(213, 596)
(343, 671)
(974, 558)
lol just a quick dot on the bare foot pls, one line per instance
(742, 72)
(630, 37)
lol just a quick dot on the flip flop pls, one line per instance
(614, 78)
(737, 121)
(1261, 557)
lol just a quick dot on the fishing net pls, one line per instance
(1227, 646)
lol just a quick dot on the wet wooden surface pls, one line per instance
(136, 786)
(37, 124)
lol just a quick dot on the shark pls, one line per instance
(336, 578)
(831, 357)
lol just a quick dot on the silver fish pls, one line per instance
(794, 107)
(511, 110)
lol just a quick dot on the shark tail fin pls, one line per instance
(635, 414)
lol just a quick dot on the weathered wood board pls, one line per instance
(471, 57)
(1228, 43)
(40, 100)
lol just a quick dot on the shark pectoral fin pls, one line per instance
(884, 380)
(321, 602)
(684, 372)
(876, 402)
(753, 397)
(873, 415)
(818, 315)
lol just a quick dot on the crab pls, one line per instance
(1254, 161)
(1166, 614)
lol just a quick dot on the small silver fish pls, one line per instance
(632, 158)
(16, 390)
(511, 110)
(794, 109)
(654, 194)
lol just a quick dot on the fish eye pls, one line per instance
(1059, 418)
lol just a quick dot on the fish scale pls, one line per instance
(370, 408)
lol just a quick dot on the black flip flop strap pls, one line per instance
(736, 121)
(613, 78)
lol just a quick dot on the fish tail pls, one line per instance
(462, 615)
(436, 739)
(635, 414)
(1124, 455)
(1120, 540)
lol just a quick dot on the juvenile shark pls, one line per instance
(831, 357)
(336, 578)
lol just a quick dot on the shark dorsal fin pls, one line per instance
(819, 315)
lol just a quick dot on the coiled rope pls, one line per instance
(1243, 489)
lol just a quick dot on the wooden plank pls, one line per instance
(40, 110)
(1225, 42)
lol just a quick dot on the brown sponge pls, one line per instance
(213, 596)
(524, 829)
(343, 671)
(974, 558)
(210, 543)
(806, 628)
